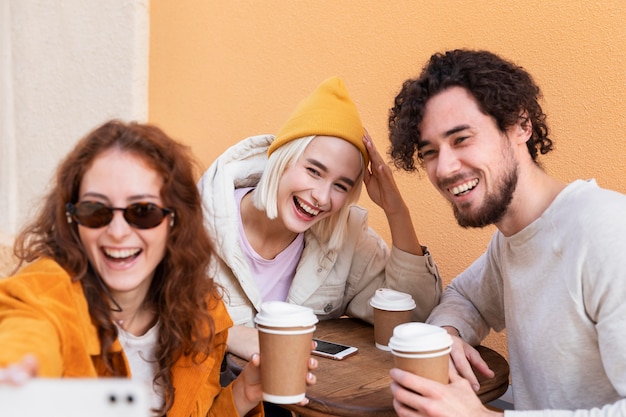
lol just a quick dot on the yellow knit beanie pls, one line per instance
(328, 111)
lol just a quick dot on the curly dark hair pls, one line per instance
(502, 89)
(180, 291)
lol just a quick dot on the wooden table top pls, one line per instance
(359, 385)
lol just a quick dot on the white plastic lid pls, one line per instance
(392, 300)
(282, 314)
(419, 337)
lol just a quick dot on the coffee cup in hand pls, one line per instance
(422, 349)
(285, 335)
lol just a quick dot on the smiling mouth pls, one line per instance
(305, 208)
(465, 188)
(121, 255)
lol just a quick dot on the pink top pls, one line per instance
(272, 276)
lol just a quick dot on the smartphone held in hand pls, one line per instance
(75, 397)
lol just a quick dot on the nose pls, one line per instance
(321, 194)
(447, 162)
(119, 227)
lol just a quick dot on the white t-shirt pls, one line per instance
(140, 352)
(558, 287)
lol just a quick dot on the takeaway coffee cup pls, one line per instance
(391, 308)
(422, 349)
(285, 333)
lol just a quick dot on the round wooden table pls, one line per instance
(358, 386)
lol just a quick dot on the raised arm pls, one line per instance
(382, 189)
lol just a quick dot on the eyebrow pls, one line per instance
(456, 129)
(323, 167)
(138, 197)
(447, 133)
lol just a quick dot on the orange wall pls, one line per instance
(224, 70)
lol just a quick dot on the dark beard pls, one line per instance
(494, 207)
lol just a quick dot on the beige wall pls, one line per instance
(65, 67)
(223, 70)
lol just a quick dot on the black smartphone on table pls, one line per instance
(333, 350)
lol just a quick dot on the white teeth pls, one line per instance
(306, 208)
(121, 253)
(464, 187)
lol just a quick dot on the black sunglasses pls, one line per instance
(95, 215)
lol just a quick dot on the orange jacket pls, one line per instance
(43, 312)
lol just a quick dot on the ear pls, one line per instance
(523, 129)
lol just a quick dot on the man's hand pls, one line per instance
(464, 357)
(415, 396)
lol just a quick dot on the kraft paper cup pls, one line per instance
(422, 349)
(391, 308)
(285, 333)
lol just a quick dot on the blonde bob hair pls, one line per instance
(330, 230)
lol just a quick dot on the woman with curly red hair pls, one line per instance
(116, 283)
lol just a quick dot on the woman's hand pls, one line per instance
(417, 396)
(247, 388)
(20, 372)
(379, 181)
(383, 190)
(243, 341)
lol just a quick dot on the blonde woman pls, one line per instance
(281, 211)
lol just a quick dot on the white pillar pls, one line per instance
(66, 67)
(8, 166)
